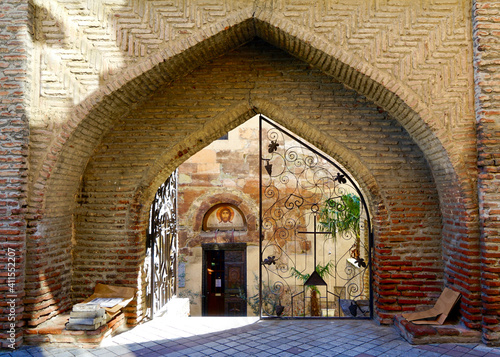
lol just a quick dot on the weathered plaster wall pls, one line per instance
(226, 171)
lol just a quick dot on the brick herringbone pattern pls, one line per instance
(427, 46)
(89, 41)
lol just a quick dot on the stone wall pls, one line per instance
(226, 171)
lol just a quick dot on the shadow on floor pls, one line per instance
(233, 337)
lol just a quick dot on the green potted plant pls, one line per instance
(338, 215)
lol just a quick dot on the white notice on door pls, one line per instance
(218, 283)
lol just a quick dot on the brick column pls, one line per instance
(486, 27)
(15, 38)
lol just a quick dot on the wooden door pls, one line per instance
(235, 287)
(224, 279)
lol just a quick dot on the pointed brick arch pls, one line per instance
(234, 116)
(93, 117)
(91, 120)
(211, 126)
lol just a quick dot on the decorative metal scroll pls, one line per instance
(161, 248)
(315, 232)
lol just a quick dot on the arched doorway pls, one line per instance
(213, 247)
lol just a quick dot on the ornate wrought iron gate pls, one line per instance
(315, 232)
(161, 249)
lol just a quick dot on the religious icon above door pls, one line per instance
(224, 216)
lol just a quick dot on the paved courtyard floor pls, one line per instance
(205, 336)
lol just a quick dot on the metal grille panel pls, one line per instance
(161, 253)
(315, 232)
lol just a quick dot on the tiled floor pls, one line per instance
(249, 337)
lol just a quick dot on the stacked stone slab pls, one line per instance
(86, 317)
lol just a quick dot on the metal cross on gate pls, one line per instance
(315, 278)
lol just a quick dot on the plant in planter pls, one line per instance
(342, 215)
(271, 302)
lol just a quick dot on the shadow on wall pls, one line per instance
(69, 66)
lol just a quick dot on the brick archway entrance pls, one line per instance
(75, 71)
(115, 159)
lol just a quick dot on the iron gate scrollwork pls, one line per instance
(161, 247)
(315, 232)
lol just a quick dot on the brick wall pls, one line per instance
(487, 44)
(15, 52)
(414, 61)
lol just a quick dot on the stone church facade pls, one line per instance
(102, 99)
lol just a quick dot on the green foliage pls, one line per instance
(269, 299)
(322, 270)
(340, 214)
